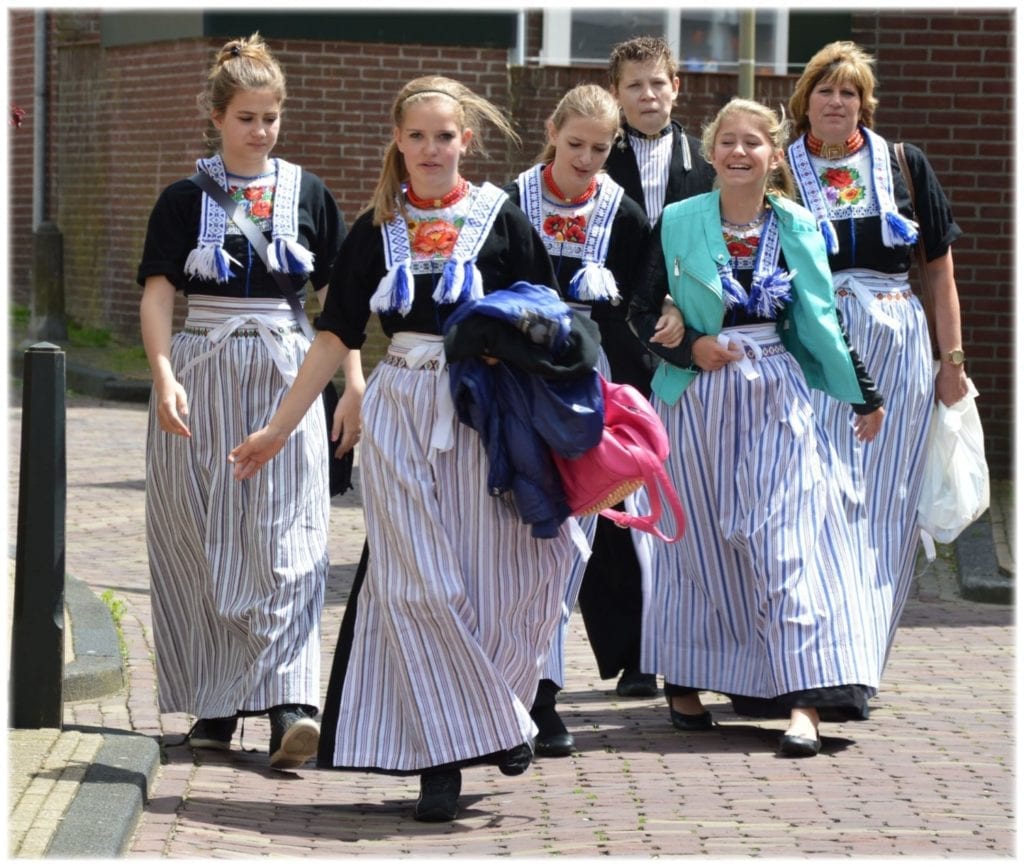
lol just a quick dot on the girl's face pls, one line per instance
(646, 93)
(431, 142)
(249, 127)
(833, 111)
(744, 155)
(581, 147)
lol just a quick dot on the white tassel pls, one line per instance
(594, 282)
(210, 262)
(394, 292)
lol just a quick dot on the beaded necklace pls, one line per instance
(454, 195)
(549, 181)
(818, 148)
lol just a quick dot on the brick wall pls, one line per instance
(21, 91)
(126, 124)
(946, 84)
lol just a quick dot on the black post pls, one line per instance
(48, 319)
(37, 628)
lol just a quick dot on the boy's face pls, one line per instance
(646, 93)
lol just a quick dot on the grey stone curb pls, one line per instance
(97, 668)
(105, 811)
(981, 579)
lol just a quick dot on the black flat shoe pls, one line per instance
(691, 722)
(554, 746)
(793, 745)
(515, 761)
(636, 684)
(439, 796)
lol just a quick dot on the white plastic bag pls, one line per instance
(956, 482)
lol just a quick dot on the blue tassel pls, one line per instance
(466, 293)
(402, 292)
(223, 262)
(450, 286)
(733, 293)
(902, 228)
(593, 282)
(394, 292)
(770, 295)
(829, 233)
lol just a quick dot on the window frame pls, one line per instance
(556, 41)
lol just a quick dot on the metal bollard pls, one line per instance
(37, 627)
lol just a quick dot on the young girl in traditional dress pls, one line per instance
(597, 239)
(438, 668)
(657, 162)
(761, 600)
(237, 571)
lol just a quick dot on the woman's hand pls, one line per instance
(347, 420)
(256, 450)
(866, 427)
(669, 329)
(172, 408)
(951, 383)
(709, 354)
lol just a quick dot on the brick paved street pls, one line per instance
(931, 774)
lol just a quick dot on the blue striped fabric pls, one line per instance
(237, 568)
(653, 159)
(889, 470)
(762, 595)
(554, 668)
(460, 602)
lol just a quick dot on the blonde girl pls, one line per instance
(597, 239)
(761, 600)
(458, 603)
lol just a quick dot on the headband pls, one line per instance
(429, 90)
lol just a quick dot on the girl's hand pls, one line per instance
(669, 329)
(709, 354)
(256, 450)
(866, 427)
(347, 420)
(172, 408)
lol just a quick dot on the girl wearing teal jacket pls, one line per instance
(759, 601)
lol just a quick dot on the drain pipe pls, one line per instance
(48, 320)
(40, 120)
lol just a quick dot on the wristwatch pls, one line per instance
(954, 356)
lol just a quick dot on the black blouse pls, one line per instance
(173, 233)
(511, 252)
(860, 239)
(629, 360)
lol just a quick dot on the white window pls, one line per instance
(701, 39)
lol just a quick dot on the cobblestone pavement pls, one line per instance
(931, 774)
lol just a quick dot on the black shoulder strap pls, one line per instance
(236, 213)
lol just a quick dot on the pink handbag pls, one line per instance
(630, 455)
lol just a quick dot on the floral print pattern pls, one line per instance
(842, 186)
(434, 238)
(561, 229)
(257, 200)
(742, 248)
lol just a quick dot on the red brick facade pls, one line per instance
(124, 124)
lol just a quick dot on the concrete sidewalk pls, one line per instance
(931, 774)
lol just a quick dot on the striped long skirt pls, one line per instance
(554, 668)
(762, 596)
(896, 351)
(459, 604)
(237, 568)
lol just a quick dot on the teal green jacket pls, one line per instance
(691, 239)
